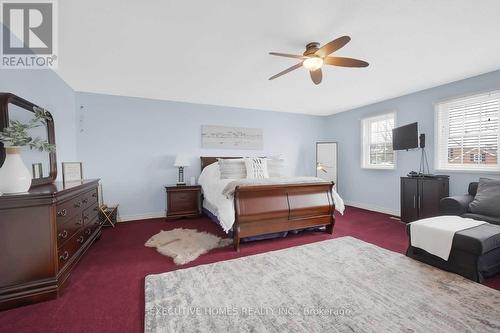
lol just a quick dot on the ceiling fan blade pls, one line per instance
(288, 70)
(286, 55)
(345, 62)
(333, 46)
(316, 76)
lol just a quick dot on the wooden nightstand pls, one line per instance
(183, 201)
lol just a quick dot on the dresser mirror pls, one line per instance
(326, 161)
(42, 164)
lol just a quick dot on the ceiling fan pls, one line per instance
(315, 56)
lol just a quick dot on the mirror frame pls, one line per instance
(5, 100)
(336, 160)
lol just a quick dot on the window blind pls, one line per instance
(468, 132)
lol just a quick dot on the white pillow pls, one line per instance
(276, 167)
(233, 168)
(256, 168)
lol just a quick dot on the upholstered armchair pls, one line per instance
(461, 205)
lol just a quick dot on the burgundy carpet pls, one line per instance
(106, 293)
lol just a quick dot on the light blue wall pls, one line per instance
(46, 89)
(130, 143)
(379, 189)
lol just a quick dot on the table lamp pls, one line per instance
(181, 162)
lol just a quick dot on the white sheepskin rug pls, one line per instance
(185, 245)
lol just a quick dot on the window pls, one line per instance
(467, 133)
(377, 142)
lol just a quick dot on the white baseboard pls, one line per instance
(135, 217)
(374, 208)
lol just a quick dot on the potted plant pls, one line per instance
(14, 175)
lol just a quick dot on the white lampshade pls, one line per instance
(181, 161)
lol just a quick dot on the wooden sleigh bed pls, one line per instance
(265, 209)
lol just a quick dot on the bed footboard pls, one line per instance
(264, 209)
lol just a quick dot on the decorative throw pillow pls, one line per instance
(487, 199)
(232, 168)
(276, 167)
(256, 168)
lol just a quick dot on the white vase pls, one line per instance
(14, 175)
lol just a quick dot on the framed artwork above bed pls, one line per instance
(232, 137)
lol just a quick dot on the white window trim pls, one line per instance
(459, 168)
(368, 166)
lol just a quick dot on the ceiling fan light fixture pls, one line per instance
(313, 63)
(315, 57)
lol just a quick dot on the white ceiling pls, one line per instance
(216, 52)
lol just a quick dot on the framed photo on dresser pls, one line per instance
(37, 170)
(72, 171)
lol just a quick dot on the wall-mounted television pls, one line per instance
(405, 137)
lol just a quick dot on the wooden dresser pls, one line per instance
(43, 234)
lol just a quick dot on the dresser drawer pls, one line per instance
(70, 247)
(89, 198)
(90, 213)
(90, 227)
(94, 224)
(66, 230)
(69, 209)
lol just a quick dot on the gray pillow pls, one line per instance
(487, 199)
(232, 168)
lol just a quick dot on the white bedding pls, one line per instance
(222, 206)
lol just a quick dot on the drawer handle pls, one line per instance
(80, 239)
(85, 217)
(62, 213)
(78, 205)
(88, 231)
(64, 256)
(79, 222)
(85, 201)
(94, 195)
(63, 234)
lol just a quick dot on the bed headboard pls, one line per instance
(207, 160)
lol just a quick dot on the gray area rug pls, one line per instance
(339, 285)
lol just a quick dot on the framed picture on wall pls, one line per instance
(224, 137)
(72, 171)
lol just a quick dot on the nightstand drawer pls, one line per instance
(183, 201)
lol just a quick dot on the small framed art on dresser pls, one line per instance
(72, 172)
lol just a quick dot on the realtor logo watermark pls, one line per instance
(29, 34)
